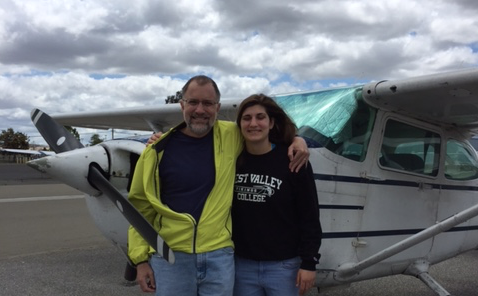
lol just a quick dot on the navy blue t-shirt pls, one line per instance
(187, 173)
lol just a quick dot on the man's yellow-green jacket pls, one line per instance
(179, 230)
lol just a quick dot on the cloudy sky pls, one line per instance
(78, 55)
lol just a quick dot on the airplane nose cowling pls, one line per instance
(71, 167)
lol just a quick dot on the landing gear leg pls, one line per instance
(419, 269)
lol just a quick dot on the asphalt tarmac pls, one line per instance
(49, 245)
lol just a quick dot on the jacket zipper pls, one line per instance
(194, 237)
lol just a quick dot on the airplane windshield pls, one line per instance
(325, 111)
(336, 119)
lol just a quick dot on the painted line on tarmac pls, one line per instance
(41, 198)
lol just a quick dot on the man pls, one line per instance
(183, 185)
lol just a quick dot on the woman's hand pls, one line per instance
(298, 154)
(154, 138)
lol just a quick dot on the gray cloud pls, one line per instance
(50, 51)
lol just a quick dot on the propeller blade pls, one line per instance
(97, 179)
(58, 137)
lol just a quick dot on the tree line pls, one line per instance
(10, 139)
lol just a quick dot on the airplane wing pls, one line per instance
(26, 151)
(447, 98)
(157, 118)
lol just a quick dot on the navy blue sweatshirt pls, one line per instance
(275, 212)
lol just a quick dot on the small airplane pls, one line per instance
(35, 153)
(396, 176)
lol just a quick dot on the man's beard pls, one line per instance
(199, 129)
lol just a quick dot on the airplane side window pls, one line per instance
(411, 149)
(460, 162)
(360, 126)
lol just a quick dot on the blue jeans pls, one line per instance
(271, 278)
(204, 274)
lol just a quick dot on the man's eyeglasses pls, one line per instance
(194, 103)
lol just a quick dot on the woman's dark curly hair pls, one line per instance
(284, 129)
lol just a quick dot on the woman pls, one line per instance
(276, 226)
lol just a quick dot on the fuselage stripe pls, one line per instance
(349, 179)
(341, 207)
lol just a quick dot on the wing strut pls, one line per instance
(350, 269)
